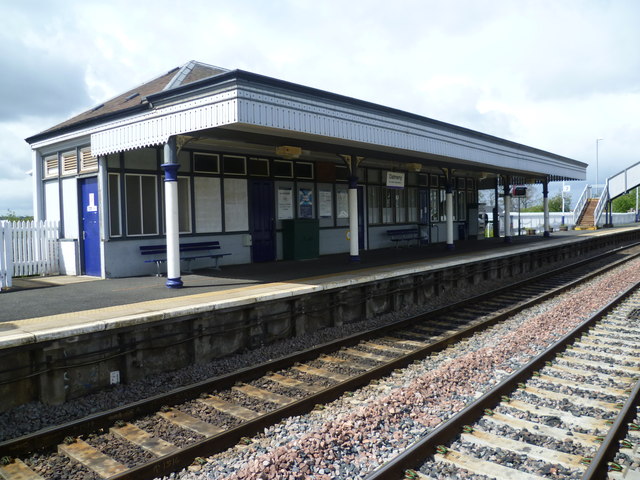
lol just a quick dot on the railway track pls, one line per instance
(166, 433)
(564, 415)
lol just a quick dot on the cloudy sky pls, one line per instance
(552, 74)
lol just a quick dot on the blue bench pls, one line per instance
(188, 252)
(404, 235)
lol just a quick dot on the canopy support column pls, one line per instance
(352, 162)
(449, 213)
(170, 168)
(507, 210)
(545, 207)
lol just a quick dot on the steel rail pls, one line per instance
(165, 465)
(450, 429)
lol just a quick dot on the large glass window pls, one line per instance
(373, 203)
(142, 204)
(434, 205)
(184, 204)
(208, 206)
(115, 224)
(412, 205)
(388, 205)
(443, 205)
(236, 214)
(401, 205)
(462, 205)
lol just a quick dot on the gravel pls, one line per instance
(353, 435)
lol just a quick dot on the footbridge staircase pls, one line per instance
(594, 212)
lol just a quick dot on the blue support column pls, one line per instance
(545, 207)
(170, 168)
(507, 211)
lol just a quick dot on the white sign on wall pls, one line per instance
(395, 179)
(285, 203)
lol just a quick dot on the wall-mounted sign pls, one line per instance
(324, 203)
(305, 203)
(395, 179)
(285, 203)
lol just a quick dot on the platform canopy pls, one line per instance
(203, 104)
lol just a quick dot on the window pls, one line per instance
(88, 162)
(115, 224)
(206, 163)
(208, 207)
(282, 169)
(388, 204)
(401, 205)
(234, 165)
(50, 165)
(462, 205)
(304, 170)
(259, 167)
(412, 205)
(141, 204)
(443, 205)
(69, 163)
(184, 204)
(434, 204)
(236, 213)
(373, 203)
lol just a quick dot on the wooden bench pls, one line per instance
(404, 235)
(188, 252)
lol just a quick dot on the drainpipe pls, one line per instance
(170, 168)
(545, 206)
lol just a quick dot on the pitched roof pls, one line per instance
(190, 72)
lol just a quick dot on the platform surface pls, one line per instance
(46, 308)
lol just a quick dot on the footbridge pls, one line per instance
(592, 212)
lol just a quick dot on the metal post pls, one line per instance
(449, 212)
(507, 212)
(171, 214)
(496, 212)
(598, 140)
(545, 207)
(353, 218)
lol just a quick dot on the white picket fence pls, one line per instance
(28, 248)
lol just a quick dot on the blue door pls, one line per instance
(90, 235)
(263, 247)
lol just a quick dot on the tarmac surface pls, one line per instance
(34, 297)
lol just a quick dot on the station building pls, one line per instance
(270, 169)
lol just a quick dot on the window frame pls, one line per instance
(141, 199)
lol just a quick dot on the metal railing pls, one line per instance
(582, 201)
(602, 204)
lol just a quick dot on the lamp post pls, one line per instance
(598, 140)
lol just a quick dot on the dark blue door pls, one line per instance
(90, 235)
(263, 247)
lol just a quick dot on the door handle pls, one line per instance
(84, 235)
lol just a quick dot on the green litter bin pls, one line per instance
(300, 239)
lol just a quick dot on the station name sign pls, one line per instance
(395, 179)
